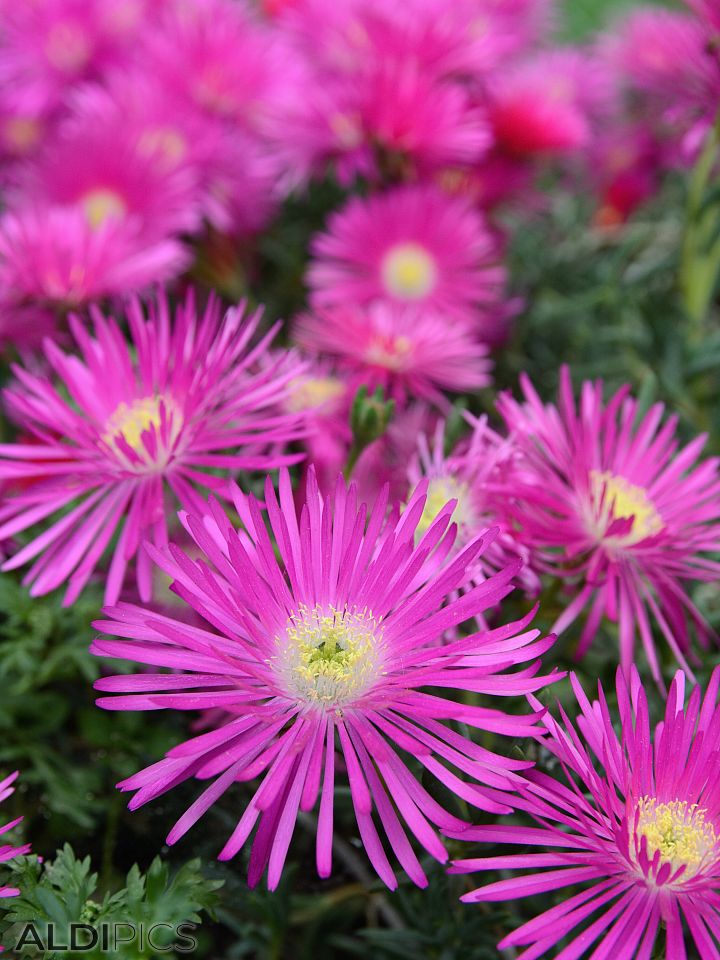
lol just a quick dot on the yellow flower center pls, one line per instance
(615, 498)
(678, 830)
(311, 393)
(440, 490)
(101, 205)
(133, 420)
(409, 271)
(330, 657)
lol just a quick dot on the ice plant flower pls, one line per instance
(323, 643)
(632, 823)
(609, 501)
(47, 46)
(52, 260)
(186, 399)
(113, 174)
(215, 57)
(410, 245)
(409, 353)
(667, 63)
(479, 476)
(7, 851)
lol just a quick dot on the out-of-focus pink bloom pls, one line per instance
(53, 259)
(610, 503)
(631, 823)
(386, 460)
(479, 474)
(548, 104)
(186, 399)
(389, 122)
(664, 59)
(325, 643)
(7, 851)
(323, 397)
(47, 46)
(408, 352)
(111, 176)
(217, 57)
(409, 246)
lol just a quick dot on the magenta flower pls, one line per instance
(186, 399)
(666, 61)
(609, 502)
(387, 119)
(409, 353)
(216, 57)
(632, 821)
(52, 259)
(8, 852)
(479, 475)
(47, 46)
(111, 173)
(326, 640)
(549, 104)
(410, 246)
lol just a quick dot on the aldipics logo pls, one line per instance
(106, 938)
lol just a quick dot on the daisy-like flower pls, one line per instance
(52, 259)
(97, 165)
(46, 46)
(410, 245)
(389, 120)
(666, 61)
(323, 643)
(214, 56)
(479, 476)
(409, 353)
(187, 398)
(7, 851)
(634, 823)
(609, 501)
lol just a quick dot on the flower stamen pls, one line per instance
(678, 830)
(330, 657)
(409, 271)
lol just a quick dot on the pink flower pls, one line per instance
(52, 258)
(8, 852)
(97, 165)
(216, 57)
(548, 104)
(381, 115)
(410, 353)
(410, 245)
(632, 823)
(325, 641)
(610, 502)
(479, 474)
(229, 175)
(46, 46)
(666, 63)
(185, 396)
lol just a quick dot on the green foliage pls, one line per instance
(65, 891)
